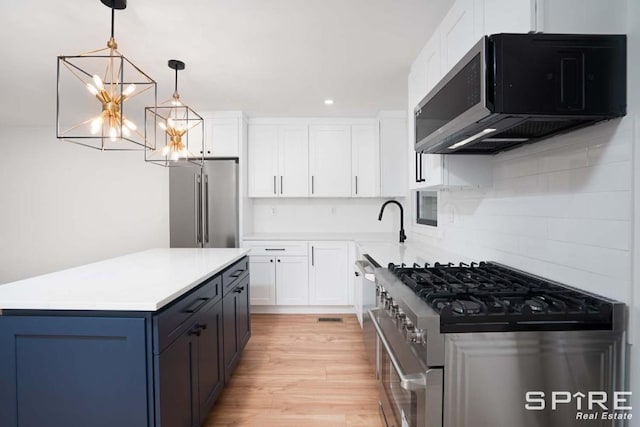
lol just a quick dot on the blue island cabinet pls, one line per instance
(124, 369)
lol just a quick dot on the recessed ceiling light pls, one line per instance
(328, 102)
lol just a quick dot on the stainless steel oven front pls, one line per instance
(410, 394)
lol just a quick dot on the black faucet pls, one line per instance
(403, 236)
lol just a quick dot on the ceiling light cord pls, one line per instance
(113, 18)
(175, 92)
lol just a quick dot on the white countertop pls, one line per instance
(322, 236)
(143, 281)
(409, 252)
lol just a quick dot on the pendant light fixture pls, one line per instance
(101, 96)
(173, 131)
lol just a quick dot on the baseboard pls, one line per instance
(301, 309)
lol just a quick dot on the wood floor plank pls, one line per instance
(298, 372)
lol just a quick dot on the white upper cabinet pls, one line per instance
(330, 160)
(393, 154)
(365, 158)
(293, 163)
(508, 16)
(459, 31)
(278, 161)
(222, 134)
(263, 161)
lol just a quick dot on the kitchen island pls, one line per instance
(146, 339)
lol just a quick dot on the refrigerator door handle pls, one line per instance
(206, 209)
(199, 209)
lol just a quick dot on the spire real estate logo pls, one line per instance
(589, 405)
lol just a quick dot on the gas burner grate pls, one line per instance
(487, 296)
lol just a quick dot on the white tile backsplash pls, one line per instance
(560, 208)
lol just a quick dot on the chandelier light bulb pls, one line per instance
(92, 89)
(129, 90)
(113, 133)
(98, 81)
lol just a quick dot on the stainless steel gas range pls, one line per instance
(490, 346)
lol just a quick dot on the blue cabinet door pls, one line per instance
(210, 368)
(176, 383)
(73, 372)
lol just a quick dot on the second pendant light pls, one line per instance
(173, 131)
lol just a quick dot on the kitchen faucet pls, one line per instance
(403, 236)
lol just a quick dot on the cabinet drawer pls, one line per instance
(284, 248)
(169, 322)
(232, 275)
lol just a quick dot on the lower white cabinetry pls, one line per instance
(329, 273)
(263, 280)
(292, 280)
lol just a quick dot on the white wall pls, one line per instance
(324, 215)
(63, 205)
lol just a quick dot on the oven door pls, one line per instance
(410, 394)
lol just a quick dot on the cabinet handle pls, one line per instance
(274, 249)
(357, 274)
(237, 273)
(356, 184)
(195, 332)
(202, 326)
(274, 185)
(281, 185)
(278, 260)
(206, 209)
(417, 166)
(313, 256)
(312, 184)
(271, 260)
(421, 178)
(239, 290)
(198, 306)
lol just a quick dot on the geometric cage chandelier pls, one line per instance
(173, 131)
(101, 96)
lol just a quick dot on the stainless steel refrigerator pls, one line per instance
(204, 205)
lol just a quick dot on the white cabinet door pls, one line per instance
(508, 16)
(365, 161)
(293, 165)
(393, 156)
(263, 280)
(432, 62)
(458, 32)
(263, 161)
(292, 280)
(329, 273)
(330, 161)
(222, 137)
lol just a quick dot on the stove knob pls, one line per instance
(417, 336)
(401, 317)
(408, 326)
(394, 309)
(388, 301)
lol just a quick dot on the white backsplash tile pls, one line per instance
(561, 209)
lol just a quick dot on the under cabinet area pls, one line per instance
(104, 368)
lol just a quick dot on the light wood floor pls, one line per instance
(298, 372)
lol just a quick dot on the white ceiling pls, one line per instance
(265, 57)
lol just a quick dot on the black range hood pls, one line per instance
(515, 89)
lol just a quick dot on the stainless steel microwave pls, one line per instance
(514, 89)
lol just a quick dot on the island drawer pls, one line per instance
(169, 322)
(233, 274)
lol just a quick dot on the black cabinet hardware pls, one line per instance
(198, 306)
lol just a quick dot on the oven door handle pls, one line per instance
(366, 269)
(409, 382)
